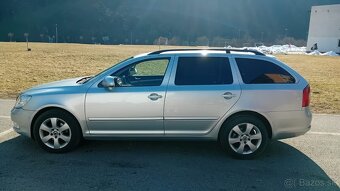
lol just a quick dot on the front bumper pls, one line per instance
(22, 121)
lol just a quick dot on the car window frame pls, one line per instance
(175, 64)
(146, 60)
(133, 61)
(268, 59)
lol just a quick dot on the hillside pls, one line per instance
(142, 21)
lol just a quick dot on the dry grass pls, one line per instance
(20, 69)
(323, 74)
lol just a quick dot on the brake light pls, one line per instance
(306, 96)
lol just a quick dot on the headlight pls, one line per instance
(22, 100)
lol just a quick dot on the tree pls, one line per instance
(219, 42)
(202, 41)
(105, 39)
(81, 38)
(175, 41)
(291, 40)
(161, 41)
(68, 38)
(26, 35)
(10, 35)
(93, 39)
(42, 37)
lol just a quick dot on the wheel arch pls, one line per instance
(45, 109)
(250, 113)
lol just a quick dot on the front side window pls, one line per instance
(203, 71)
(144, 73)
(254, 71)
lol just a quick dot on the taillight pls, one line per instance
(306, 96)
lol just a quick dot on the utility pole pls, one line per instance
(159, 43)
(56, 33)
(131, 38)
(26, 35)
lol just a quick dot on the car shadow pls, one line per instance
(156, 165)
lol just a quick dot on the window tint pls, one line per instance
(203, 71)
(255, 71)
(143, 73)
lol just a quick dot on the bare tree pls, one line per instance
(81, 38)
(68, 38)
(105, 39)
(174, 41)
(202, 41)
(42, 37)
(10, 35)
(161, 41)
(93, 39)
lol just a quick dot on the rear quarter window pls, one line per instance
(254, 71)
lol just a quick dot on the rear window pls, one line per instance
(255, 71)
(203, 71)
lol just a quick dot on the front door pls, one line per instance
(133, 108)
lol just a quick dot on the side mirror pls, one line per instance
(109, 82)
(112, 81)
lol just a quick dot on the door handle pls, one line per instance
(228, 95)
(154, 96)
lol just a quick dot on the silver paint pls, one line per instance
(169, 111)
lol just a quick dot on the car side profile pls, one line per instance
(238, 97)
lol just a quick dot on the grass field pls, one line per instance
(20, 69)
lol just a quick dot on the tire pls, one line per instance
(244, 137)
(57, 131)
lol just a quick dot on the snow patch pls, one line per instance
(280, 49)
(314, 52)
(330, 53)
(288, 49)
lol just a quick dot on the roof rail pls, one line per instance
(227, 50)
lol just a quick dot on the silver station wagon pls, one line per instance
(238, 97)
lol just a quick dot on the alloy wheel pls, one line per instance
(245, 138)
(55, 133)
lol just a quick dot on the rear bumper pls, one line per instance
(22, 121)
(289, 124)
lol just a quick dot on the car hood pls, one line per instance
(57, 86)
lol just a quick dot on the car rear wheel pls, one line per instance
(57, 131)
(244, 137)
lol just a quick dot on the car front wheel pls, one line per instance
(57, 131)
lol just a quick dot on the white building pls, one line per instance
(324, 28)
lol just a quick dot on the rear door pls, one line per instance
(267, 86)
(200, 91)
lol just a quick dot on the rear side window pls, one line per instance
(203, 71)
(255, 71)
